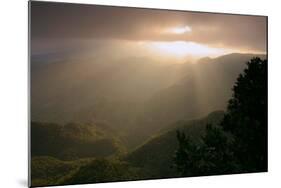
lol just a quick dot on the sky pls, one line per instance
(166, 34)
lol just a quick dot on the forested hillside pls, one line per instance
(121, 134)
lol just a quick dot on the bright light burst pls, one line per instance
(182, 49)
(180, 30)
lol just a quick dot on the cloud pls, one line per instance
(61, 20)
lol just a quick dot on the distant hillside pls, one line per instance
(103, 170)
(135, 96)
(151, 160)
(204, 87)
(86, 90)
(47, 170)
(73, 141)
(156, 155)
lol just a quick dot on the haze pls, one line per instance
(138, 70)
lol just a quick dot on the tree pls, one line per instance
(212, 156)
(187, 158)
(246, 117)
(239, 142)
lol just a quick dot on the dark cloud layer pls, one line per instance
(75, 21)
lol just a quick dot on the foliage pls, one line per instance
(239, 143)
(46, 170)
(71, 141)
(155, 157)
(211, 156)
(51, 171)
(246, 119)
(221, 143)
(103, 170)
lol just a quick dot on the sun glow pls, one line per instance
(183, 49)
(179, 30)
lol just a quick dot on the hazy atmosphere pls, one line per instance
(122, 94)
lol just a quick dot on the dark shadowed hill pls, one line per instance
(73, 141)
(156, 155)
(151, 160)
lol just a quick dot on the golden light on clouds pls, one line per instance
(161, 33)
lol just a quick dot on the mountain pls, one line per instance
(156, 155)
(73, 141)
(153, 159)
(97, 121)
(103, 170)
(136, 97)
(204, 87)
(67, 91)
(51, 171)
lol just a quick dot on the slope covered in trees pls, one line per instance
(155, 137)
(156, 155)
(153, 159)
(136, 97)
(239, 143)
(73, 141)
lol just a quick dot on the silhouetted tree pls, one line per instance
(212, 156)
(239, 142)
(246, 117)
